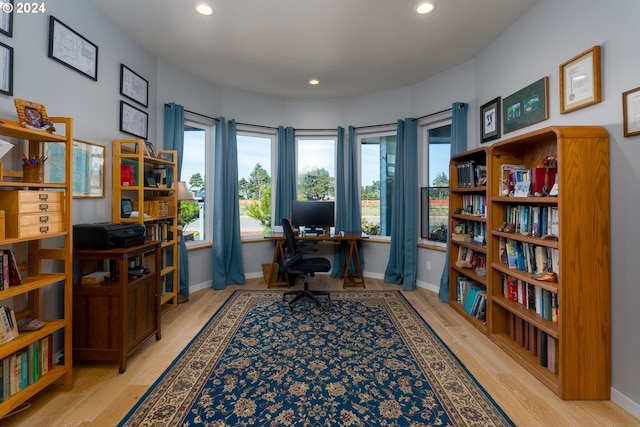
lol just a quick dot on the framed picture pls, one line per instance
(150, 149)
(6, 69)
(71, 49)
(631, 112)
(580, 84)
(150, 181)
(527, 106)
(126, 207)
(133, 86)
(88, 169)
(6, 18)
(133, 120)
(490, 124)
(33, 115)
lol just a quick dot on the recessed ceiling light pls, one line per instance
(425, 7)
(204, 9)
(314, 82)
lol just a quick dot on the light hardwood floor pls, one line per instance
(102, 397)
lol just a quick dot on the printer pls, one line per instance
(107, 235)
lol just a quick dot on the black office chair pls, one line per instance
(297, 264)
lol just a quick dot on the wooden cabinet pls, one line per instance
(469, 245)
(150, 184)
(38, 232)
(558, 329)
(112, 319)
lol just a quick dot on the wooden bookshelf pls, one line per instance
(468, 205)
(581, 330)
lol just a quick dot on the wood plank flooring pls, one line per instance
(102, 397)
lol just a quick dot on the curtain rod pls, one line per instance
(193, 112)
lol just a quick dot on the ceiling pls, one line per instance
(352, 47)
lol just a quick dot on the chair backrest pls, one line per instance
(291, 253)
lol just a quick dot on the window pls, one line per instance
(378, 162)
(196, 160)
(254, 182)
(435, 196)
(316, 169)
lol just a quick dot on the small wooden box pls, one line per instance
(32, 213)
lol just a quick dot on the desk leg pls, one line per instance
(352, 256)
(278, 255)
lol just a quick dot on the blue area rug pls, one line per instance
(369, 359)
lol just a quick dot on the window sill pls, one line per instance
(430, 244)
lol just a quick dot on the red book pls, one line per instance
(542, 180)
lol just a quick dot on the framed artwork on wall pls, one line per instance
(72, 50)
(6, 69)
(631, 112)
(133, 120)
(580, 84)
(133, 86)
(6, 18)
(490, 123)
(527, 106)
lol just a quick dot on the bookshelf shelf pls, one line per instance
(468, 207)
(43, 258)
(571, 356)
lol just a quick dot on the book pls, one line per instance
(507, 179)
(511, 253)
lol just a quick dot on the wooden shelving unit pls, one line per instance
(156, 206)
(43, 251)
(468, 205)
(581, 335)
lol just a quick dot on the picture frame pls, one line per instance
(89, 178)
(150, 181)
(126, 207)
(6, 19)
(631, 112)
(580, 81)
(69, 48)
(6, 69)
(33, 115)
(133, 120)
(527, 106)
(134, 86)
(150, 149)
(490, 121)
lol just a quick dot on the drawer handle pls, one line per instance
(43, 197)
(44, 229)
(44, 219)
(44, 207)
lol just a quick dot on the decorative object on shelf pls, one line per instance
(150, 150)
(527, 106)
(133, 86)
(6, 70)
(6, 20)
(88, 169)
(33, 168)
(72, 50)
(33, 115)
(580, 84)
(133, 121)
(126, 207)
(631, 112)
(490, 124)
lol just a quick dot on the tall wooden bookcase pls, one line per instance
(149, 181)
(468, 209)
(37, 228)
(577, 363)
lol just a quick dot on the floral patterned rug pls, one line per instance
(368, 359)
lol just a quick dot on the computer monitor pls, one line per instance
(312, 215)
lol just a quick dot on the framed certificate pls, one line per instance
(580, 84)
(631, 111)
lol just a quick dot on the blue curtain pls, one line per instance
(174, 140)
(286, 174)
(227, 250)
(348, 212)
(458, 145)
(404, 216)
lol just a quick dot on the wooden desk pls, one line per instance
(351, 254)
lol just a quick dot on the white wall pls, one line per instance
(549, 34)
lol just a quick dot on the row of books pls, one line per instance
(472, 296)
(544, 302)
(536, 341)
(25, 367)
(9, 272)
(469, 231)
(533, 220)
(9, 326)
(157, 231)
(128, 175)
(475, 204)
(468, 258)
(528, 256)
(471, 174)
(518, 181)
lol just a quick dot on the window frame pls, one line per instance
(209, 127)
(309, 135)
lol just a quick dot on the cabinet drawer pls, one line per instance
(34, 228)
(43, 218)
(24, 201)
